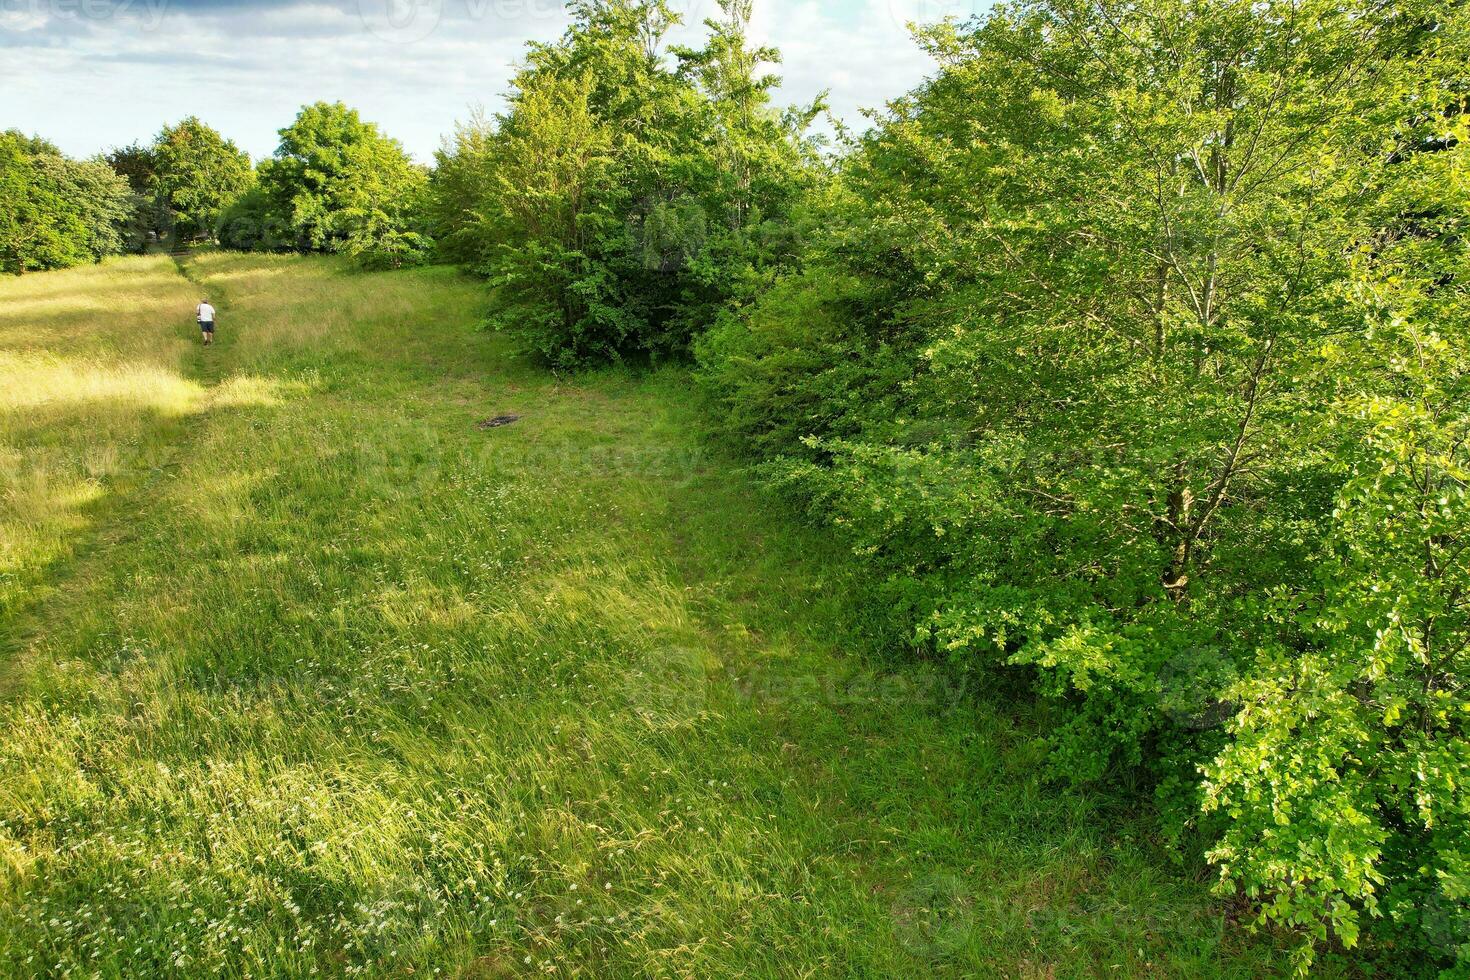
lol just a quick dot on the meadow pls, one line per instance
(304, 671)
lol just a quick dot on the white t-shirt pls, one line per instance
(206, 313)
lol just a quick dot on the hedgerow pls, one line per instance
(1132, 353)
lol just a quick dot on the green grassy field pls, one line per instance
(304, 672)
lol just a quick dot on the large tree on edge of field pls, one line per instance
(1131, 356)
(54, 211)
(336, 183)
(196, 174)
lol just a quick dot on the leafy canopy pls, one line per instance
(335, 184)
(1131, 353)
(54, 211)
(196, 173)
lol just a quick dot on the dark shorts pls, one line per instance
(207, 326)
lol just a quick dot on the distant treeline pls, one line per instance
(56, 212)
(1130, 353)
(335, 184)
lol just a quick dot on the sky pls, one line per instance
(92, 74)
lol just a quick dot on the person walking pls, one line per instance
(206, 321)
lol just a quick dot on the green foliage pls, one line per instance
(152, 217)
(135, 163)
(547, 203)
(1346, 779)
(196, 174)
(250, 224)
(336, 184)
(1131, 354)
(57, 212)
(621, 203)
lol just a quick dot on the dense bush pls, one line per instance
(57, 212)
(194, 173)
(250, 224)
(1132, 351)
(621, 202)
(335, 184)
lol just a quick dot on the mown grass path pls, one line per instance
(306, 673)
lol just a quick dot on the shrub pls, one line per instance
(56, 212)
(620, 204)
(1131, 355)
(196, 174)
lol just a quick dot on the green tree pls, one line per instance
(152, 218)
(761, 168)
(251, 223)
(382, 207)
(1345, 778)
(196, 174)
(547, 206)
(621, 202)
(751, 145)
(135, 163)
(338, 184)
(1106, 356)
(56, 212)
(462, 189)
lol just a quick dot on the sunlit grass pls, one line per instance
(96, 380)
(32, 381)
(316, 676)
(92, 368)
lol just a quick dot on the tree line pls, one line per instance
(1130, 353)
(334, 184)
(55, 211)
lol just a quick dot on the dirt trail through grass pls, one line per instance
(311, 674)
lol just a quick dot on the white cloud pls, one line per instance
(22, 19)
(247, 68)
